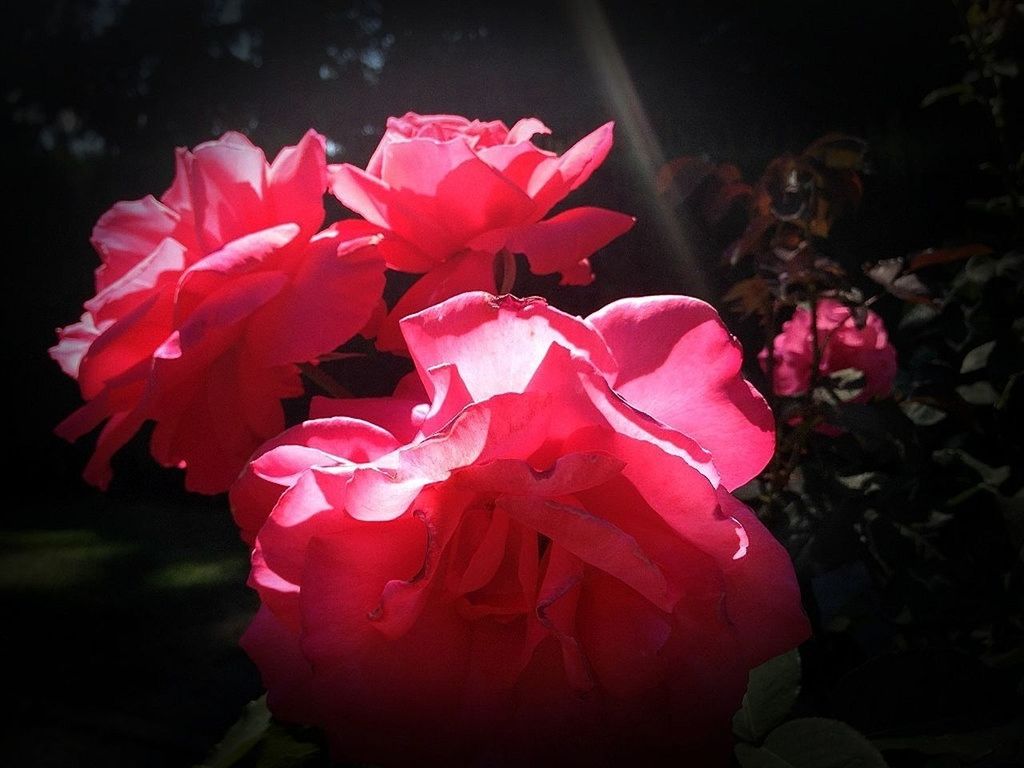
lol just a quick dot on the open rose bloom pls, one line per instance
(530, 555)
(205, 301)
(451, 193)
(844, 344)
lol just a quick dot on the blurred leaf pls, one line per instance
(290, 747)
(921, 414)
(686, 174)
(865, 482)
(978, 393)
(992, 476)
(977, 358)
(242, 736)
(754, 757)
(970, 747)
(889, 273)
(839, 151)
(847, 383)
(917, 315)
(1009, 391)
(932, 256)
(772, 688)
(748, 297)
(751, 239)
(812, 742)
(957, 89)
(725, 189)
(980, 269)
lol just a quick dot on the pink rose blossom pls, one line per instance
(205, 301)
(843, 345)
(451, 193)
(530, 555)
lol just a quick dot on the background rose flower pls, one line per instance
(451, 193)
(538, 563)
(843, 345)
(206, 298)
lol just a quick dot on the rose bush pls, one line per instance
(843, 343)
(452, 193)
(205, 301)
(530, 555)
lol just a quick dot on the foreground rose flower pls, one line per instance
(843, 346)
(529, 556)
(206, 300)
(452, 193)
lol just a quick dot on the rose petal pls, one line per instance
(128, 232)
(228, 181)
(679, 363)
(285, 672)
(762, 598)
(554, 180)
(595, 541)
(400, 417)
(74, 341)
(385, 207)
(309, 316)
(497, 343)
(160, 267)
(297, 180)
(125, 344)
(469, 271)
(563, 242)
(437, 175)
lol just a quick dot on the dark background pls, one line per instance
(121, 610)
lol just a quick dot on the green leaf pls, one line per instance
(290, 747)
(772, 689)
(978, 393)
(865, 482)
(242, 736)
(970, 747)
(963, 90)
(812, 742)
(921, 414)
(991, 476)
(977, 358)
(755, 757)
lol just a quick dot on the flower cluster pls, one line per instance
(530, 551)
(208, 297)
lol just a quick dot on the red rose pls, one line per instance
(844, 345)
(541, 564)
(205, 301)
(451, 193)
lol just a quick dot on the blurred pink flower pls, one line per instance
(843, 345)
